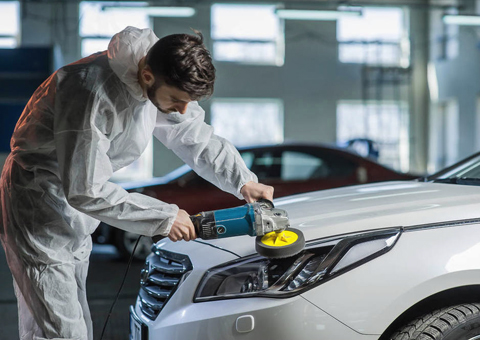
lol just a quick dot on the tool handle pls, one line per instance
(267, 202)
(195, 222)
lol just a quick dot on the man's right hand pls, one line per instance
(182, 228)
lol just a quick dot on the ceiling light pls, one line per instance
(432, 81)
(296, 14)
(173, 12)
(464, 20)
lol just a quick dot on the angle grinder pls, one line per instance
(274, 238)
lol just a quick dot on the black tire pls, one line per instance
(125, 241)
(460, 322)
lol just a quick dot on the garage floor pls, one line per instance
(104, 279)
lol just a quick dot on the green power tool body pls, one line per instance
(274, 238)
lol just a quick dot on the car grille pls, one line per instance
(162, 274)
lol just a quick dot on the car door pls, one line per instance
(197, 194)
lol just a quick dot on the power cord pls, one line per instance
(121, 286)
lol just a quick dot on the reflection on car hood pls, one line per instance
(367, 207)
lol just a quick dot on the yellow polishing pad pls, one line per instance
(280, 239)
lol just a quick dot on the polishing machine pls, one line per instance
(271, 226)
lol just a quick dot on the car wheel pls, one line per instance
(125, 242)
(460, 322)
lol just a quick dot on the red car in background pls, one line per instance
(289, 168)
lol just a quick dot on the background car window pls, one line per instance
(302, 166)
(266, 165)
(339, 165)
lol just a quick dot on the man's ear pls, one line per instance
(147, 76)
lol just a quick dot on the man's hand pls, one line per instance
(252, 192)
(182, 228)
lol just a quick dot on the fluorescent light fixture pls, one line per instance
(463, 20)
(432, 81)
(172, 12)
(297, 14)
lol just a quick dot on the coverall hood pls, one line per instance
(125, 51)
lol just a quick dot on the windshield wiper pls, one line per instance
(459, 180)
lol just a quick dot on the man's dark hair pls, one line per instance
(182, 61)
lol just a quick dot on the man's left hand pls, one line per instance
(252, 192)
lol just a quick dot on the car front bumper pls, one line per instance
(248, 319)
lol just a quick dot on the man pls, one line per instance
(86, 121)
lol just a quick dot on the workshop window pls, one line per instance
(248, 121)
(98, 24)
(444, 38)
(9, 24)
(385, 123)
(378, 37)
(248, 34)
(448, 38)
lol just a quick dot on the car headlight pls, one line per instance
(320, 261)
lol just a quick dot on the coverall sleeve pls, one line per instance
(81, 131)
(211, 156)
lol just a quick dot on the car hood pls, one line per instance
(365, 207)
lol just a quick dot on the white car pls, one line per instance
(391, 260)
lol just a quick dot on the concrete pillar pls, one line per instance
(419, 99)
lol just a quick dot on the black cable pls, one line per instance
(121, 286)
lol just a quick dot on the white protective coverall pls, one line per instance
(86, 121)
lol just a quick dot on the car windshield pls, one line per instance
(466, 172)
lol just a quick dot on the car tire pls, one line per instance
(125, 242)
(459, 322)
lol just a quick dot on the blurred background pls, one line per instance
(401, 73)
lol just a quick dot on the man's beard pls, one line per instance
(151, 91)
